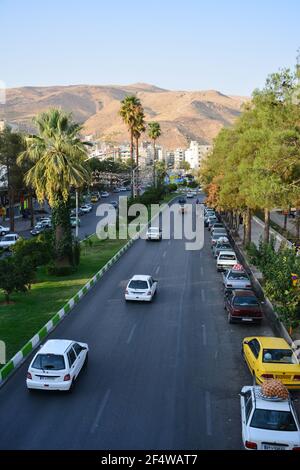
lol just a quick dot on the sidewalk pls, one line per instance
(257, 233)
(278, 218)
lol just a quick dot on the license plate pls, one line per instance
(47, 378)
(247, 319)
(283, 377)
(273, 447)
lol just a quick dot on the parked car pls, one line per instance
(218, 237)
(141, 288)
(154, 233)
(182, 201)
(39, 228)
(123, 188)
(9, 240)
(212, 221)
(242, 306)
(116, 190)
(115, 204)
(190, 195)
(74, 222)
(3, 230)
(219, 231)
(86, 208)
(221, 246)
(236, 279)
(268, 424)
(226, 260)
(272, 358)
(57, 365)
(105, 194)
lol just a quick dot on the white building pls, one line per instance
(195, 153)
(179, 157)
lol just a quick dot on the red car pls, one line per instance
(243, 306)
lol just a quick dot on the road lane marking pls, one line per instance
(201, 271)
(208, 413)
(204, 335)
(131, 334)
(157, 270)
(203, 295)
(164, 254)
(100, 412)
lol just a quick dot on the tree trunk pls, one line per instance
(137, 179)
(267, 226)
(11, 209)
(63, 233)
(248, 226)
(132, 162)
(31, 209)
(285, 222)
(154, 161)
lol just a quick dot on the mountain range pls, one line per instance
(183, 115)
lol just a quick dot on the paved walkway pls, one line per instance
(278, 218)
(258, 232)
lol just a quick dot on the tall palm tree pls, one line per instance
(130, 108)
(138, 129)
(154, 132)
(58, 163)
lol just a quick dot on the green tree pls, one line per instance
(154, 132)
(130, 110)
(58, 156)
(138, 129)
(15, 275)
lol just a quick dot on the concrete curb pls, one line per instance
(269, 310)
(17, 360)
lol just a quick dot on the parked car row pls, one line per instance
(268, 423)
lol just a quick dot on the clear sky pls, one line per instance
(228, 45)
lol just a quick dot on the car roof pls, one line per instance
(270, 342)
(227, 253)
(140, 277)
(244, 293)
(55, 346)
(153, 228)
(264, 403)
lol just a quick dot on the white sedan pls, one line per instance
(268, 424)
(56, 365)
(3, 230)
(9, 240)
(141, 288)
(154, 233)
(86, 208)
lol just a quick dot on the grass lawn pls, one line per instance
(22, 319)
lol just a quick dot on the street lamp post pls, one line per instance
(77, 219)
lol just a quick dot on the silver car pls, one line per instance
(221, 246)
(236, 279)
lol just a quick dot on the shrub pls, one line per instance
(16, 275)
(55, 270)
(76, 253)
(38, 250)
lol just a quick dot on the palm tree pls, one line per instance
(138, 129)
(154, 132)
(58, 163)
(130, 108)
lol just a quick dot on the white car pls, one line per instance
(190, 195)
(141, 288)
(268, 424)
(226, 260)
(123, 189)
(86, 208)
(154, 233)
(105, 194)
(56, 365)
(3, 230)
(8, 240)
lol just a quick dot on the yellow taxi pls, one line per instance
(94, 198)
(272, 358)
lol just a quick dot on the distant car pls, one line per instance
(190, 195)
(9, 240)
(3, 230)
(57, 365)
(218, 237)
(219, 231)
(46, 223)
(74, 222)
(123, 188)
(94, 198)
(226, 260)
(141, 288)
(154, 233)
(104, 194)
(115, 204)
(218, 225)
(272, 358)
(242, 306)
(86, 208)
(212, 221)
(182, 201)
(221, 246)
(116, 190)
(38, 229)
(236, 279)
(268, 424)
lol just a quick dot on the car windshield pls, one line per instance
(223, 247)
(273, 420)
(281, 356)
(246, 302)
(9, 238)
(49, 362)
(238, 276)
(227, 257)
(138, 285)
(153, 229)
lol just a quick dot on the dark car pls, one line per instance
(182, 201)
(242, 306)
(221, 246)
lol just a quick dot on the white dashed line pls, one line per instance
(164, 254)
(208, 413)
(131, 334)
(157, 270)
(100, 412)
(203, 295)
(204, 335)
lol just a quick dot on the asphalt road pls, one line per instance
(164, 375)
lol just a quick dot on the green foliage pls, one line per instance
(16, 275)
(60, 271)
(76, 252)
(172, 187)
(38, 250)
